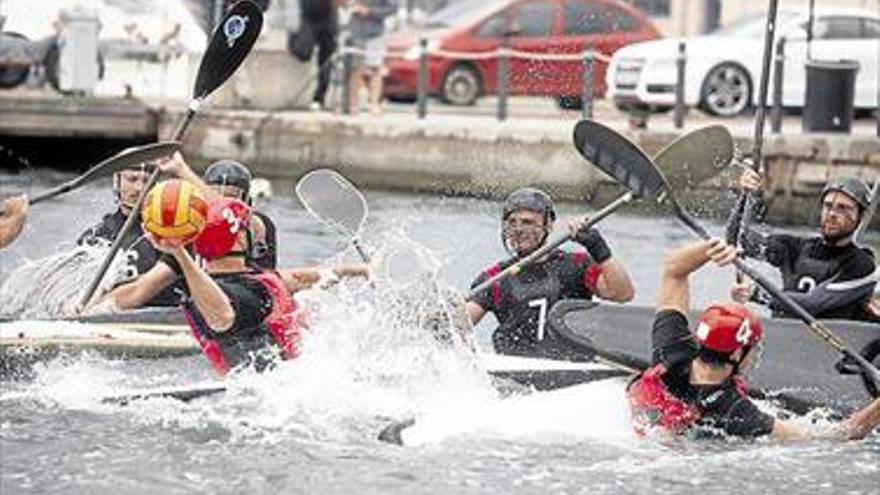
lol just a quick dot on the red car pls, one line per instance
(538, 26)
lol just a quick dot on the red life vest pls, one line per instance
(284, 324)
(652, 404)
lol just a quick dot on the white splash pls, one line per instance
(52, 286)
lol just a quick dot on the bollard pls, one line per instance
(778, 68)
(680, 61)
(503, 74)
(347, 65)
(422, 94)
(587, 87)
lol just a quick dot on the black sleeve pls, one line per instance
(735, 413)
(671, 340)
(773, 248)
(172, 263)
(484, 297)
(250, 300)
(852, 283)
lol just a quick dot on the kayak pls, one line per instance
(142, 334)
(794, 362)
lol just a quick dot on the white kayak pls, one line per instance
(25, 342)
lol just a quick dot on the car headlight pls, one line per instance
(416, 50)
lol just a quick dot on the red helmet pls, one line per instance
(227, 218)
(727, 327)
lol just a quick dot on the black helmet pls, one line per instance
(229, 173)
(529, 198)
(852, 187)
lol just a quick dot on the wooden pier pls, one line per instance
(44, 113)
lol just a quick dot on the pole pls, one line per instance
(680, 61)
(778, 68)
(422, 94)
(587, 88)
(347, 66)
(503, 74)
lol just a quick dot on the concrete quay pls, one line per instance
(474, 154)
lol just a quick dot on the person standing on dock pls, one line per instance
(319, 26)
(367, 26)
(12, 218)
(520, 302)
(828, 275)
(695, 383)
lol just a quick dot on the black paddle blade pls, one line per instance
(130, 157)
(229, 45)
(618, 157)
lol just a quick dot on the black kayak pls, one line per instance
(794, 363)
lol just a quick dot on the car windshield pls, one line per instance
(752, 26)
(455, 14)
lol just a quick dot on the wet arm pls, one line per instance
(297, 279)
(855, 427)
(213, 304)
(674, 287)
(615, 284)
(138, 292)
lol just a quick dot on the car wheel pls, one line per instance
(12, 76)
(726, 90)
(461, 86)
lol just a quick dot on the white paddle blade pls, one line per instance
(333, 200)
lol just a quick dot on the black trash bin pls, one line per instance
(828, 106)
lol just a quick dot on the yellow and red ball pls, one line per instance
(174, 210)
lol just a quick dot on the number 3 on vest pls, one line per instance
(541, 304)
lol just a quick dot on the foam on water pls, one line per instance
(52, 286)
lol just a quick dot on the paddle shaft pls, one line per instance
(180, 394)
(520, 264)
(134, 215)
(816, 326)
(746, 202)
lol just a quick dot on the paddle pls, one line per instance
(184, 394)
(639, 172)
(120, 161)
(696, 157)
(229, 45)
(336, 202)
(698, 162)
(743, 210)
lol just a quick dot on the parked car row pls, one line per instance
(724, 67)
(722, 72)
(536, 26)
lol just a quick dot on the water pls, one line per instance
(311, 427)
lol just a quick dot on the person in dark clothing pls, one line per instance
(695, 381)
(319, 25)
(138, 253)
(520, 302)
(233, 179)
(829, 275)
